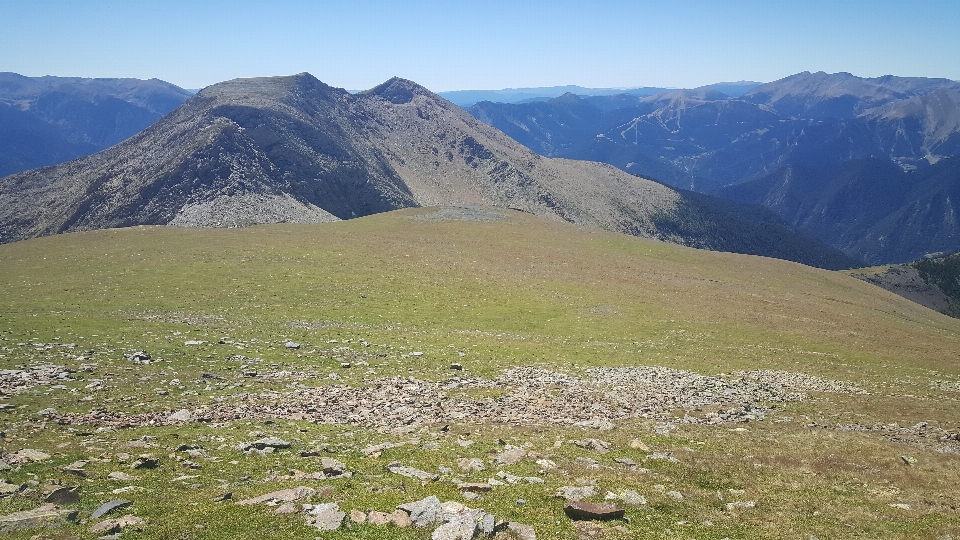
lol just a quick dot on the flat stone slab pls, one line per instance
(108, 507)
(116, 525)
(47, 516)
(267, 442)
(327, 517)
(411, 472)
(282, 496)
(587, 510)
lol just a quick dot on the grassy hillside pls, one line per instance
(833, 374)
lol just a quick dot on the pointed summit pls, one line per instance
(399, 91)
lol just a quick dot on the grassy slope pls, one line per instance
(510, 292)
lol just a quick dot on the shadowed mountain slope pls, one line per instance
(50, 120)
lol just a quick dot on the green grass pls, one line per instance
(490, 295)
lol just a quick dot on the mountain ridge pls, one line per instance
(294, 149)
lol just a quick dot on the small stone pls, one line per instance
(411, 472)
(424, 512)
(345, 365)
(471, 496)
(474, 486)
(626, 461)
(145, 461)
(327, 517)
(47, 515)
(521, 531)
(401, 519)
(741, 505)
(471, 464)
(547, 463)
(9, 489)
(291, 345)
(576, 493)
(511, 455)
(183, 415)
(282, 496)
(675, 495)
(108, 507)
(121, 476)
(63, 496)
(456, 367)
(116, 525)
(379, 518)
(593, 444)
(332, 467)
(286, 509)
(637, 444)
(900, 506)
(223, 497)
(357, 516)
(30, 455)
(49, 411)
(586, 510)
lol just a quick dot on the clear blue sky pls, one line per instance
(491, 44)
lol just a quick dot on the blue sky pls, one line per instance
(491, 44)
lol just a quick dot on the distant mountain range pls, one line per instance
(49, 120)
(292, 149)
(811, 130)
(468, 98)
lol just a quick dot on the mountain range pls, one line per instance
(813, 128)
(49, 120)
(293, 149)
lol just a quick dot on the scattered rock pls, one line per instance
(332, 467)
(521, 531)
(377, 448)
(282, 496)
(510, 455)
(108, 507)
(457, 367)
(593, 444)
(598, 511)
(675, 495)
(357, 516)
(626, 461)
(380, 518)
(401, 519)
(76, 468)
(223, 497)
(741, 505)
(471, 464)
(116, 525)
(411, 472)
(10, 489)
(121, 476)
(49, 411)
(63, 496)
(900, 506)
(264, 444)
(576, 493)
(292, 345)
(145, 461)
(286, 509)
(183, 415)
(424, 512)
(326, 517)
(46, 516)
(637, 444)
(138, 357)
(474, 486)
(596, 423)
(29, 455)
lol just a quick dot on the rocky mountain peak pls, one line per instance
(399, 91)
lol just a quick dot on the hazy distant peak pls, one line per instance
(399, 91)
